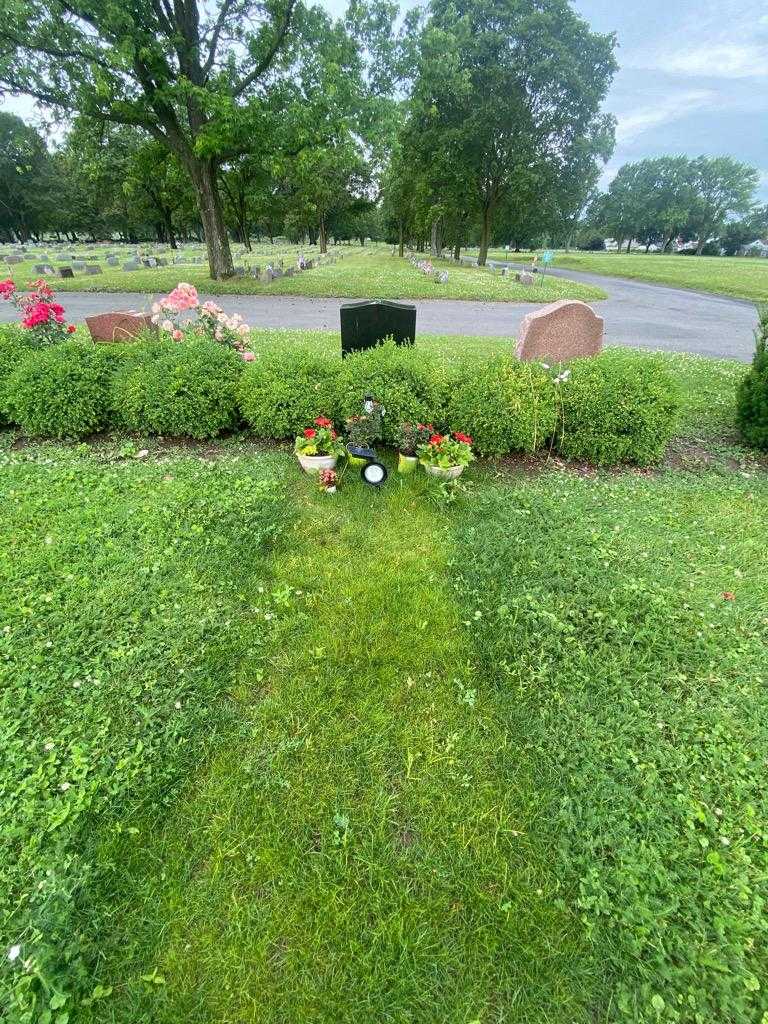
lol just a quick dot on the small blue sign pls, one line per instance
(547, 257)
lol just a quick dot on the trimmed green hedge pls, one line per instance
(61, 391)
(617, 407)
(504, 405)
(411, 385)
(281, 394)
(189, 389)
(14, 346)
(752, 396)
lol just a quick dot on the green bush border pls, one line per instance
(618, 407)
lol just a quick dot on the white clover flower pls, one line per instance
(177, 705)
(48, 746)
(14, 953)
(65, 786)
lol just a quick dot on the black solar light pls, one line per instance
(373, 473)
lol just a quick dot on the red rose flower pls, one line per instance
(7, 288)
(464, 438)
(309, 432)
(71, 329)
(322, 421)
(436, 439)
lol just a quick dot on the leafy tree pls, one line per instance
(181, 71)
(158, 180)
(738, 233)
(721, 186)
(506, 88)
(25, 181)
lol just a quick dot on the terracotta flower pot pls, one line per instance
(314, 463)
(451, 473)
(406, 464)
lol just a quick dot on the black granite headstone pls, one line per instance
(66, 272)
(365, 324)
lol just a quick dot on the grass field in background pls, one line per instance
(721, 275)
(374, 274)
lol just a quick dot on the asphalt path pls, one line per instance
(636, 314)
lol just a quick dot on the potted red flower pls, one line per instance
(318, 447)
(411, 437)
(446, 455)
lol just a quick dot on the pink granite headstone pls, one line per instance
(118, 326)
(560, 331)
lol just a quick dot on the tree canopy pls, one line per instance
(459, 122)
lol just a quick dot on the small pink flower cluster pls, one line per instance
(212, 322)
(38, 312)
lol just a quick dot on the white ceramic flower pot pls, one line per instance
(445, 474)
(314, 463)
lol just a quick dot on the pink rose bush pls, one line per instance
(40, 315)
(212, 323)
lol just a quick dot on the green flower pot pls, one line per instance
(406, 464)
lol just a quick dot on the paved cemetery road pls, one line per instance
(637, 314)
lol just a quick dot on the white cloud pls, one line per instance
(718, 60)
(669, 108)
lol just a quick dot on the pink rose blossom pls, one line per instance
(184, 296)
(247, 357)
(177, 335)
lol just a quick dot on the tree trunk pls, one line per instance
(322, 237)
(700, 245)
(457, 251)
(629, 245)
(485, 234)
(401, 239)
(205, 181)
(435, 246)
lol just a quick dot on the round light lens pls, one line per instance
(374, 473)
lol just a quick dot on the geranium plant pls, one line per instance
(212, 322)
(411, 436)
(40, 315)
(446, 451)
(321, 439)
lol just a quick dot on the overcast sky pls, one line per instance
(693, 78)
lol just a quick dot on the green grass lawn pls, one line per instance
(359, 275)
(487, 756)
(740, 278)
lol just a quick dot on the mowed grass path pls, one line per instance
(357, 276)
(737, 277)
